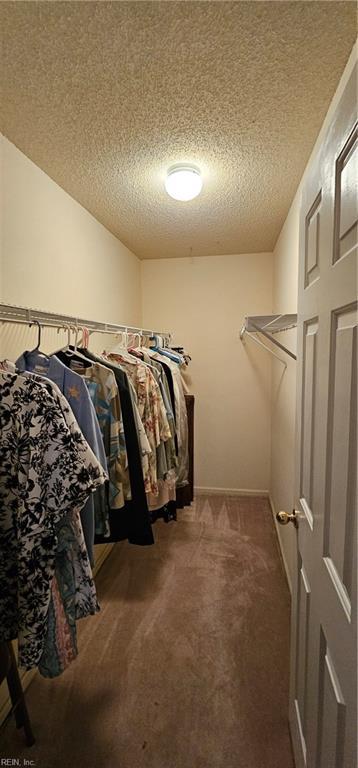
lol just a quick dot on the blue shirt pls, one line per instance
(172, 355)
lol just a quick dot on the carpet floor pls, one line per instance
(187, 664)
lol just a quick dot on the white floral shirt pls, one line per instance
(47, 470)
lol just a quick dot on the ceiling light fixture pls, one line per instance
(183, 182)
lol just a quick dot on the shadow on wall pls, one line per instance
(277, 387)
(256, 365)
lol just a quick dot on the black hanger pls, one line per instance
(71, 355)
(36, 349)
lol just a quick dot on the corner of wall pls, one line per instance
(141, 287)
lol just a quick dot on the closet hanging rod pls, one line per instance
(12, 313)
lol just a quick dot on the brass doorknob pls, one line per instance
(284, 517)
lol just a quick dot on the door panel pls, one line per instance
(312, 241)
(308, 414)
(346, 191)
(323, 697)
(303, 599)
(342, 452)
(332, 712)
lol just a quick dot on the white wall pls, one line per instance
(285, 271)
(203, 301)
(55, 255)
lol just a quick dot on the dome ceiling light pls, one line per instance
(183, 182)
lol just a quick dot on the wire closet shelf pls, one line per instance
(268, 325)
(12, 313)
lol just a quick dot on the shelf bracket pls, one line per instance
(273, 340)
(261, 344)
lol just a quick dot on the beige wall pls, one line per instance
(54, 255)
(203, 301)
(285, 271)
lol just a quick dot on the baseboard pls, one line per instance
(102, 556)
(26, 676)
(285, 565)
(199, 490)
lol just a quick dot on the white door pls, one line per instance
(323, 698)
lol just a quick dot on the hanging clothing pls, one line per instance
(155, 412)
(134, 521)
(181, 416)
(47, 471)
(151, 411)
(76, 393)
(170, 445)
(142, 353)
(103, 390)
(174, 356)
(84, 588)
(60, 645)
(65, 419)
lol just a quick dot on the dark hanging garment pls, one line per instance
(185, 494)
(169, 377)
(132, 522)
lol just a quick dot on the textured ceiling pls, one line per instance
(105, 96)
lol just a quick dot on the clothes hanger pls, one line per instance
(37, 348)
(136, 350)
(36, 322)
(84, 340)
(167, 353)
(66, 349)
(76, 338)
(137, 341)
(142, 345)
(85, 337)
(125, 352)
(122, 349)
(64, 327)
(69, 353)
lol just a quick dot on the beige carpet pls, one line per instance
(186, 666)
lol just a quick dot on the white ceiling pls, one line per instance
(106, 96)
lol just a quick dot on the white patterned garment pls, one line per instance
(180, 415)
(47, 470)
(86, 596)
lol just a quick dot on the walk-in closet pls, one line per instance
(178, 384)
